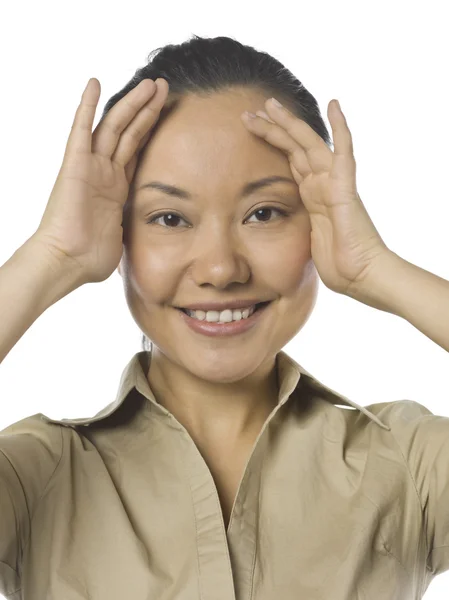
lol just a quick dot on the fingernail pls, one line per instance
(249, 115)
(276, 103)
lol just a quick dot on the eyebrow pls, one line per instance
(247, 189)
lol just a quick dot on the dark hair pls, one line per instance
(205, 66)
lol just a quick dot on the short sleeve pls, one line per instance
(30, 451)
(424, 441)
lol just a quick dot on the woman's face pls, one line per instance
(215, 246)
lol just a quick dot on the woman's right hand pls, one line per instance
(82, 222)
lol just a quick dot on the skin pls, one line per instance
(221, 389)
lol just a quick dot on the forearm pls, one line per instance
(418, 296)
(30, 282)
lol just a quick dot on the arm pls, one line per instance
(30, 282)
(404, 289)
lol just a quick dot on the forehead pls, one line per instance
(205, 134)
(216, 113)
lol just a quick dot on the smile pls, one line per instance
(228, 326)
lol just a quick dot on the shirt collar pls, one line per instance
(135, 372)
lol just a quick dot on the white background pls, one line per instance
(387, 64)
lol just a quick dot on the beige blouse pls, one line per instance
(337, 501)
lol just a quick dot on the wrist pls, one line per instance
(379, 288)
(55, 276)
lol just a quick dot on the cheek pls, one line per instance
(151, 273)
(286, 265)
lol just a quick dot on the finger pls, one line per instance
(278, 137)
(316, 149)
(131, 168)
(80, 138)
(138, 131)
(108, 131)
(341, 134)
(144, 140)
(261, 113)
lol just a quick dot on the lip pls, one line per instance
(216, 329)
(219, 306)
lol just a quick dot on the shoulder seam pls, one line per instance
(20, 482)
(408, 469)
(28, 511)
(413, 480)
(46, 486)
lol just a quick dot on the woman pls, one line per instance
(223, 469)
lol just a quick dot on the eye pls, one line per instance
(269, 209)
(163, 216)
(171, 223)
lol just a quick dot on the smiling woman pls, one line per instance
(217, 78)
(222, 469)
(222, 223)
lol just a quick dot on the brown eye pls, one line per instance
(265, 212)
(170, 220)
(169, 223)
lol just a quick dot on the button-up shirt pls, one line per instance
(337, 501)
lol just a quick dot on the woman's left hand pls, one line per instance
(345, 245)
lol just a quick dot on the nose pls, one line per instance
(220, 259)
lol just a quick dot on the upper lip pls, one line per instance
(219, 306)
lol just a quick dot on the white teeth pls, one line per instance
(225, 316)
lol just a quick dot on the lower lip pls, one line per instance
(232, 328)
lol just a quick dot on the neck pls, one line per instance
(215, 413)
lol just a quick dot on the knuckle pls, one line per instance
(114, 126)
(135, 133)
(152, 109)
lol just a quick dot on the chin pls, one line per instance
(220, 367)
